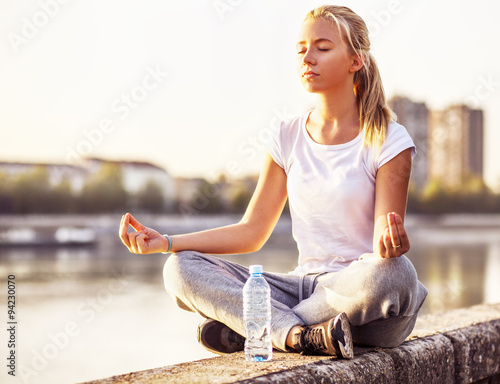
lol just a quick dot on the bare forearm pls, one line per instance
(236, 238)
(249, 235)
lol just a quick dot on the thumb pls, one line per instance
(135, 224)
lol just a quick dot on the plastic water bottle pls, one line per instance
(257, 316)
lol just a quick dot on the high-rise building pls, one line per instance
(415, 117)
(456, 145)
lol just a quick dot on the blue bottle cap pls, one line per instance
(255, 269)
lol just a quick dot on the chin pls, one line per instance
(309, 87)
(312, 90)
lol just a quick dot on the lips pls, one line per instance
(309, 74)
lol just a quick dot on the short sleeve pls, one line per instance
(398, 139)
(274, 145)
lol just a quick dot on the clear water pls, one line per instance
(258, 346)
(257, 316)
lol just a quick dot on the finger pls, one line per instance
(141, 241)
(134, 248)
(400, 225)
(134, 223)
(381, 247)
(393, 229)
(124, 231)
(390, 249)
(404, 241)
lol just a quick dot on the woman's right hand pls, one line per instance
(143, 240)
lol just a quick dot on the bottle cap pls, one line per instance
(255, 269)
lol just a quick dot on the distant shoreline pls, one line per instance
(468, 228)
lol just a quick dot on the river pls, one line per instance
(89, 312)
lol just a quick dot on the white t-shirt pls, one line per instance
(331, 192)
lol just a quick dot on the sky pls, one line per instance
(193, 86)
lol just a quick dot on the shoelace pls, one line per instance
(313, 340)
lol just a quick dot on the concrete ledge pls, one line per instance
(461, 346)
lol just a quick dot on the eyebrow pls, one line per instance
(320, 40)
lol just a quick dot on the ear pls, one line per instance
(358, 61)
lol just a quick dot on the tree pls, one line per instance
(240, 199)
(6, 200)
(63, 199)
(31, 191)
(150, 198)
(475, 196)
(104, 191)
(208, 199)
(437, 199)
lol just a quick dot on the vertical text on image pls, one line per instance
(11, 325)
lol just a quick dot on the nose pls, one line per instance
(308, 57)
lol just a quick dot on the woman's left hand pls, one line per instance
(394, 242)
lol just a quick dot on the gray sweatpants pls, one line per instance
(381, 297)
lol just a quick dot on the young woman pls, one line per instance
(345, 168)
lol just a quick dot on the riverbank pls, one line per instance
(418, 223)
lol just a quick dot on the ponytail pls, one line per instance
(374, 113)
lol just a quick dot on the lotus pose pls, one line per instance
(344, 167)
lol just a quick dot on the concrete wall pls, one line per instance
(461, 346)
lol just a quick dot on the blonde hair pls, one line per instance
(374, 113)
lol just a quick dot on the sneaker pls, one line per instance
(333, 338)
(217, 337)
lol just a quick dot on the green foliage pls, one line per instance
(240, 199)
(104, 191)
(31, 191)
(150, 198)
(63, 199)
(6, 193)
(473, 196)
(207, 198)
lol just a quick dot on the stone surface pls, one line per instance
(227, 369)
(461, 346)
(371, 368)
(428, 360)
(456, 319)
(476, 351)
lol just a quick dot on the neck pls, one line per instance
(335, 119)
(335, 109)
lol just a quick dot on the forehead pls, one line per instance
(316, 29)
